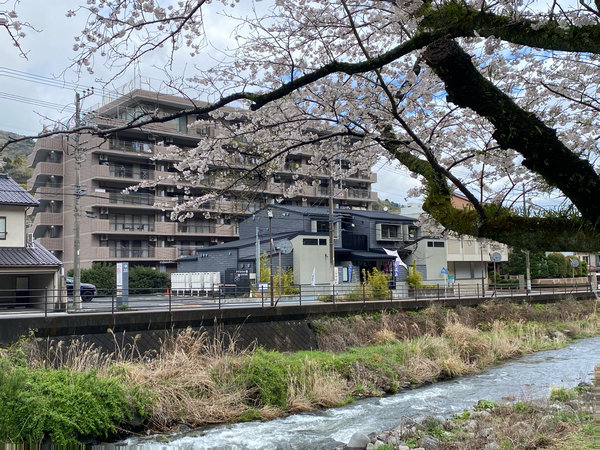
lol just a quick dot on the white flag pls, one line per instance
(398, 259)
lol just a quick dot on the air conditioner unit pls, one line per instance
(171, 238)
(104, 237)
(152, 238)
(103, 210)
(103, 157)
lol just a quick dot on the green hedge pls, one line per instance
(142, 279)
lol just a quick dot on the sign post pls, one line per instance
(122, 283)
(444, 272)
(496, 257)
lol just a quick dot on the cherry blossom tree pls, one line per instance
(12, 25)
(494, 100)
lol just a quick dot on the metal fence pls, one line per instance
(48, 301)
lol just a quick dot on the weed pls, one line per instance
(484, 405)
(522, 407)
(465, 415)
(561, 394)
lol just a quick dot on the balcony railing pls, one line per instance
(126, 252)
(131, 199)
(51, 243)
(155, 253)
(47, 218)
(48, 168)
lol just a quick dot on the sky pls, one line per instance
(40, 89)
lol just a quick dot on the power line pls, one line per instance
(36, 102)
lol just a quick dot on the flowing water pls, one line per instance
(528, 377)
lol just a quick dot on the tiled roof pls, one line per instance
(25, 256)
(313, 211)
(13, 194)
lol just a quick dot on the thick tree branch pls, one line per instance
(516, 128)
(461, 21)
(561, 233)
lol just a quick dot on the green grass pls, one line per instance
(587, 438)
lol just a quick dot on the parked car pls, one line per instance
(88, 291)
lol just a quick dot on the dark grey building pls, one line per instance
(360, 238)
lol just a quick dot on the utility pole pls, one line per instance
(527, 264)
(257, 260)
(483, 268)
(331, 230)
(270, 215)
(79, 192)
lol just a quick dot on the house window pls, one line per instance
(2, 227)
(389, 231)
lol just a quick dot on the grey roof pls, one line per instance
(240, 243)
(13, 194)
(25, 256)
(313, 211)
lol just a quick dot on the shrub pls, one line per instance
(63, 405)
(145, 280)
(414, 278)
(377, 284)
(102, 275)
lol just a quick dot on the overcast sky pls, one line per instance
(37, 90)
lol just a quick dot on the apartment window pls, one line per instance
(2, 227)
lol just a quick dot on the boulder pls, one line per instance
(358, 441)
(428, 442)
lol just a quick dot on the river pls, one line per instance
(527, 377)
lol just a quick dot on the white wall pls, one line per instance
(15, 226)
(307, 257)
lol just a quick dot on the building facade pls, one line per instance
(136, 226)
(29, 274)
(359, 239)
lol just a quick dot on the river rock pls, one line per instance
(492, 446)
(558, 336)
(428, 442)
(392, 441)
(403, 447)
(472, 426)
(358, 441)
(523, 429)
(480, 414)
(488, 433)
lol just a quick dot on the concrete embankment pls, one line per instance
(284, 328)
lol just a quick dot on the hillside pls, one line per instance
(22, 149)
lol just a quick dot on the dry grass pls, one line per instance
(192, 378)
(472, 345)
(314, 387)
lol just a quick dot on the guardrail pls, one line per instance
(49, 302)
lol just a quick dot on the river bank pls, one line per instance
(567, 419)
(194, 381)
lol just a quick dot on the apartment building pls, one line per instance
(136, 226)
